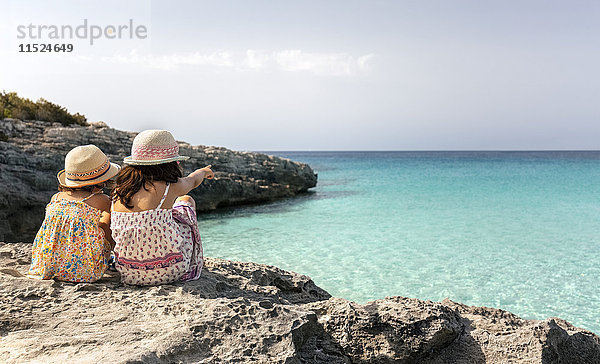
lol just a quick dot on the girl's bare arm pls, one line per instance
(104, 224)
(102, 202)
(193, 180)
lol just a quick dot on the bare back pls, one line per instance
(97, 200)
(149, 198)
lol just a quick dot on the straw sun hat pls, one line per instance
(85, 166)
(154, 147)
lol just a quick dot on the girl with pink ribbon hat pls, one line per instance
(153, 220)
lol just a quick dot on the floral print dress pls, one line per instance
(70, 245)
(157, 246)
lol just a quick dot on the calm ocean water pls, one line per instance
(513, 230)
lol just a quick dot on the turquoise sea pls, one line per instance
(513, 230)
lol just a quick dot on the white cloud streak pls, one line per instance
(173, 61)
(288, 60)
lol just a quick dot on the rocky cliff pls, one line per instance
(252, 313)
(32, 152)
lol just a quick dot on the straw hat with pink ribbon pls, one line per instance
(154, 147)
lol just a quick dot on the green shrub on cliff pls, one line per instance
(13, 106)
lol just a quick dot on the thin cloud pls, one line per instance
(335, 64)
(288, 60)
(173, 61)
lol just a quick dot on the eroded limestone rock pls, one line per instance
(254, 313)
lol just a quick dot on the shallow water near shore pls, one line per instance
(518, 231)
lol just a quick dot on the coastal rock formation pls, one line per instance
(254, 313)
(32, 152)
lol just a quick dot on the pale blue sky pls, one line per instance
(326, 75)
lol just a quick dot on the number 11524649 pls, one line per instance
(45, 48)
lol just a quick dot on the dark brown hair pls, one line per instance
(133, 178)
(101, 186)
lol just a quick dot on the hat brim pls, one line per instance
(129, 160)
(110, 173)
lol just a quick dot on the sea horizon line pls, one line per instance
(426, 150)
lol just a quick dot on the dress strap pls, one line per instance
(54, 197)
(163, 198)
(90, 196)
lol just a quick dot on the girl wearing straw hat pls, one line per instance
(153, 219)
(74, 241)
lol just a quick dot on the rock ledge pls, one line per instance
(254, 313)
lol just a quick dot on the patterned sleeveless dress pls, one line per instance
(157, 246)
(70, 245)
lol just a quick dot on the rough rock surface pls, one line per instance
(253, 313)
(33, 152)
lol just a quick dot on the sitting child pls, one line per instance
(153, 220)
(74, 241)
